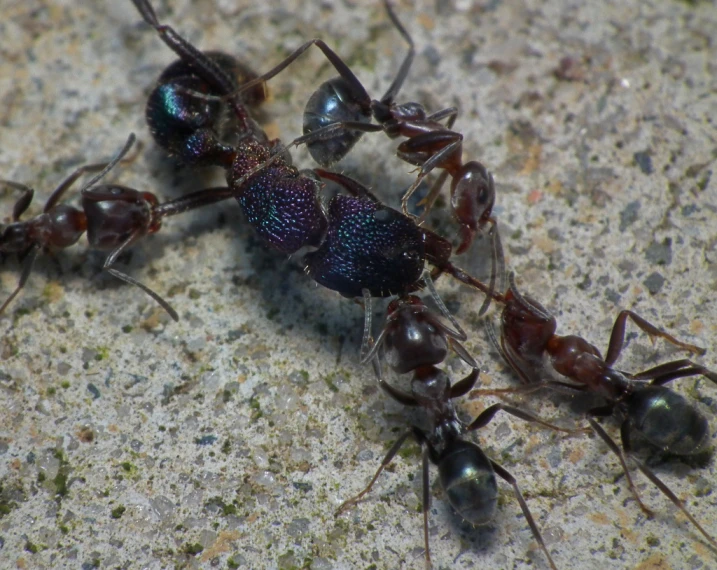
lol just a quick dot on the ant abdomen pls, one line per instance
(333, 102)
(189, 125)
(468, 478)
(666, 419)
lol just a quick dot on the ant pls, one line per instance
(414, 339)
(340, 111)
(358, 242)
(640, 400)
(113, 216)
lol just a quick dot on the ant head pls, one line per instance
(526, 326)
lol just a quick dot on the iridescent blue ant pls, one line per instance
(361, 245)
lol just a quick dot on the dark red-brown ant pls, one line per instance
(414, 340)
(641, 401)
(113, 216)
(341, 110)
(360, 244)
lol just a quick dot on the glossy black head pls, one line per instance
(526, 327)
(333, 102)
(368, 246)
(413, 338)
(667, 420)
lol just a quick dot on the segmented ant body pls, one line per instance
(113, 216)
(414, 340)
(340, 111)
(641, 400)
(360, 244)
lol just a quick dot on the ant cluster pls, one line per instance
(201, 112)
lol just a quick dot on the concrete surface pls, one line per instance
(229, 439)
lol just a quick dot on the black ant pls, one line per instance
(641, 400)
(359, 243)
(414, 339)
(340, 111)
(113, 216)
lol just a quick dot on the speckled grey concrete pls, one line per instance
(129, 441)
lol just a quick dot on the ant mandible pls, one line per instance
(641, 400)
(113, 216)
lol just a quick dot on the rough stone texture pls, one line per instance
(129, 441)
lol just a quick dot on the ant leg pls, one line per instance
(386, 460)
(369, 347)
(462, 387)
(23, 202)
(442, 146)
(489, 413)
(367, 343)
(619, 451)
(328, 131)
(624, 433)
(497, 261)
(357, 89)
(30, 258)
(432, 195)
(617, 337)
(352, 186)
(673, 498)
(458, 333)
(102, 168)
(508, 478)
(450, 112)
(399, 395)
(205, 66)
(112, 257)
(669, 371)
(191, 201)
(426, 492)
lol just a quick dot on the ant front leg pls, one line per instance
(23, 202)
(433, 149)
(102, 168)
(617, 337)
(664, 373)
(426, 452)
(112, 257)
(485, 417)
(619, 451)
(416, 433)
(27, 265)
(508, 478)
